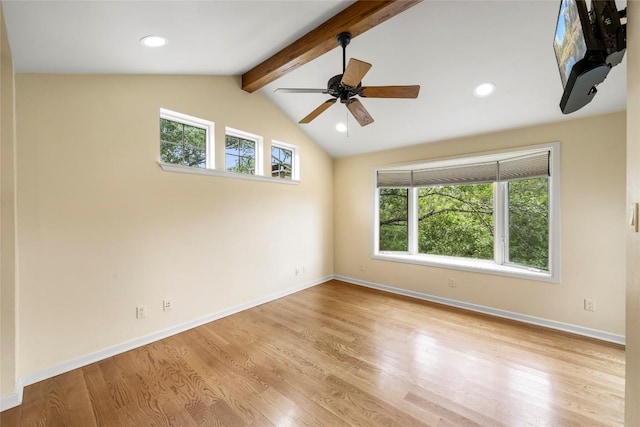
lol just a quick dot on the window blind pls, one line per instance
(524, 167)
(394, 179)
(509, 169)
(463, 174)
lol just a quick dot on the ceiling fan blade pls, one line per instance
(390, 91)
(315, 113)
(300, 90)
(354, 72)
(359, 112)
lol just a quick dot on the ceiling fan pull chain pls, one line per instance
(347, 114)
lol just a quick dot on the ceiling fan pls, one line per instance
(347, 85)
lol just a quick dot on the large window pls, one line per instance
(490, 212)
(185, 140)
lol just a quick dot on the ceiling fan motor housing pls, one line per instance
(337, 89)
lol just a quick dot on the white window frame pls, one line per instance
(258, 161)
(498, 265)
(295, 159)
(208, 126)
(210, 168)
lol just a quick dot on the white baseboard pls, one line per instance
(15, 398)
(12, 400)
(552, 324)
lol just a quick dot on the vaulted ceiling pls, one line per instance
(446, 47)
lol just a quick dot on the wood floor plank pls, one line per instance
(452, 412)
(11, 417)
(106, 409)
(34, 403)
(339, 354)
(120, 393)
(357, 406)
(224, 415)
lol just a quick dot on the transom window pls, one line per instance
(185, 140)
(242, 152)
(187, 146)
(494, 212)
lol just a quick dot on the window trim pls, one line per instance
(258, 149)
(295, 159)
(469, 264)
(169, 167)
(208, 126)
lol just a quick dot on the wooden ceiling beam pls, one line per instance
(356, 19)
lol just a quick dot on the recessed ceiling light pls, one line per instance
(484, 89)
(153, 41)
(341, 127)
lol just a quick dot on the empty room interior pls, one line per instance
(320, 213)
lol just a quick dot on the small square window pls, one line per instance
(185, 140)
(282, 162)
(242, 152)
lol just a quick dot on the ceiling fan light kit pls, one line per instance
(348, 85)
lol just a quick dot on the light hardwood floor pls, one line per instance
(339, 355)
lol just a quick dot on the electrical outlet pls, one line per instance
(297, 271)
(167, 305)
(589, 304)
(452, 282)
(361, 267)
(141, 312)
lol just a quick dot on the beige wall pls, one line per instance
(102, 228)
(592, 226)
(632, 406)
(7, 220)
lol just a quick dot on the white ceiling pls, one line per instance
(447, 47)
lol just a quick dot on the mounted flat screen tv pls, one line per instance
(587, 46)
(569, 44)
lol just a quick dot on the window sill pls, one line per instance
(225, 174)
(466, 264)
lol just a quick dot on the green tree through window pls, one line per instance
(182, 144)
(394, 219)
(456, 220)
(528, 222)
(240, 155)
(459, 221)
